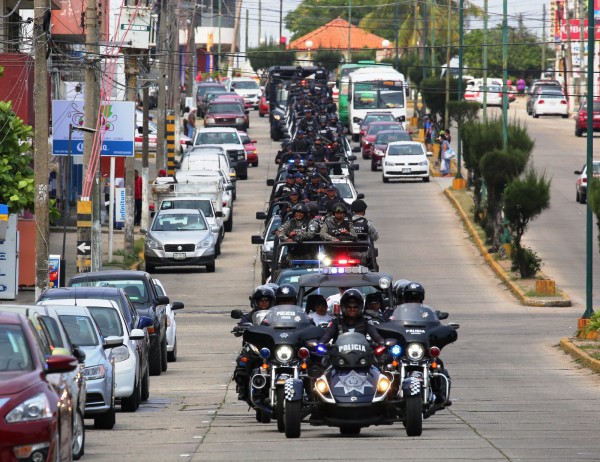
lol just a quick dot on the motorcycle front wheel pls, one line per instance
(262, 417)
(292, 417)
(413, 417)
(279, 412)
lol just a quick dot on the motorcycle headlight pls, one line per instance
(205, 242)
(277, 117)
(152, 244)
(415, 351)
(284, 353)
(94, 372)
(120, 353)
(35, 408)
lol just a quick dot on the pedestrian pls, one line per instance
(521, 86)
(448, 135)
(137, 188)
(444, 156)
(191, 122)
(428, 129)
(186, 112)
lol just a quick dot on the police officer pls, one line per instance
(296, 229)
(300, 143)
(285, 190)
(329, 199)
(262, 298)
(317, 150)
(352, 305)
(362, 226)
(316, 220)
(338, 227)
(315, 188)
(311, 167)
(286, 295)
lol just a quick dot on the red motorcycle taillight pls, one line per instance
(434, 351)
(303, 353)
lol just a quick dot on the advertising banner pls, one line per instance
(119, 205)
(9, 267)
(118, 122)
(576, 32)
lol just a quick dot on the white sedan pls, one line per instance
(345, 188)
(171, 322)
(405, 159)
(494, 95)
(554, 103)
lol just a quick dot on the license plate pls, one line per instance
(179, 256)
(406, 170)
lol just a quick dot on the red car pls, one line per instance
(263, 107)
(227, 114)
(581, 118)
(371, 133)
(35, 405)
(249, 145)
(383, 138)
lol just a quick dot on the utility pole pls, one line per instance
(145, 148)
(448, 37)
(161, 121)
(461, 19)
(504, 74)
(424, 34)
(543, 39)
(175, 56)
(281, 20)
(259, 21)
(236, 31)
(191, 55)
(432, 39)
(41, 158)
(569, 64)
(350, 29)
(485, 57)
(246, 38)
(91, 109)
(582, 80)
(131, 71)
(219, 44)
(396, 31)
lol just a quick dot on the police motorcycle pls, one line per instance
(275, 343)
(418, 372)
(351, 393)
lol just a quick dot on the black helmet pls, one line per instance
(414, 293)
(398, 290)
(356, 297)
(300, 208)
(286, 295)
(359, 206)
(262, 292)
(313, 208)
(338, 207)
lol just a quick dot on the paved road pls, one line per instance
(516, 396)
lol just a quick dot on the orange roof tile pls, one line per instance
(334, 35)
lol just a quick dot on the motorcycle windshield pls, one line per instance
(284, 317)
(414, 313)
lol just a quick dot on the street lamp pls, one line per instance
(309, 44)
(385, 44)
(72, 128)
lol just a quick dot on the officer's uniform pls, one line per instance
(332, 229)
(362, 226)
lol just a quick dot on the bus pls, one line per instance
(371, 90)
(342, 84)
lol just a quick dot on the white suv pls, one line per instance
(248, 89)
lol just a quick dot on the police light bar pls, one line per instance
(346, 270)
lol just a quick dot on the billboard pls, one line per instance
(576, 30)
(119, 128)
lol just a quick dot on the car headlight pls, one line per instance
(389, 163)
(415, 351)
(241, 155)
(423, 163)
(152, 244)
(120, 353)
(367, 143)
(284, 353)
(239, 120)
(252, 151)
(210, 120)
(94, 372)
(379, 152)
(277, 117)
(35, 408)
(207, 242)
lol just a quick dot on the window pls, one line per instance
(135, 288)
(245, 85)
(80, 330)
(405, 150)
(14, 351)
(179, 222)
(108, 321)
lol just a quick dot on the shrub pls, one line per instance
(525, 261)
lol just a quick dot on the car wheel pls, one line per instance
(105, 421)
(172, 355)
(578, 132)
(78, 435)
(583, 198)
(385, 180)
(146, 386)
(536, 115)
(229, 223)
(255, 164)
(155, 360)
(150, 268)
(244, 177)
(373, 166)
(426, 179)
(131, 403)
(260, 114)
(565, 116)
(165, 355)
(364, 155)
(355, 138)
(210, 268)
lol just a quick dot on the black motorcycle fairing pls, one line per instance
(351, 350)
(353, 385)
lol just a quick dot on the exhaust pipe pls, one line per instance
(259, 381)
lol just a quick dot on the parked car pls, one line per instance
(371, 131)
(226, 114)
(494, 95)
(383, 138)
(47, 321)
(37, 407)
(551, 103)
(180, 237)
(209, 97)
(581, 118)
(581, 182)
(405, 159)
(231, 96)
(171, 323)
(263, 107)
(142, 292)
(251, 151)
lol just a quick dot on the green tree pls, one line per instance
(16, 174)
(433, 91)
(525, 198)
(269, 54)
(329, 59)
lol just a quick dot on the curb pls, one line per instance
(514, 288)
(577, 353)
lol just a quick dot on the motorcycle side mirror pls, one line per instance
(441, 315)
(236, 314)
(454, 325)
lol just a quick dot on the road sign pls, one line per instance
(84, 247)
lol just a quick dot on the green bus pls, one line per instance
(342, 84)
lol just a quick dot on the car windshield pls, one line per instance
(80, 330)
(203, 89)
(385, 138)
(376, 128)
(199, 204)
(179, 222)
(217, 138)
(135, 288)
(344, 190)
(245, 85)
(225, 107)
(378, 118)
(14, 350)
(405, 150)
(245, 138)
(108, 320)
